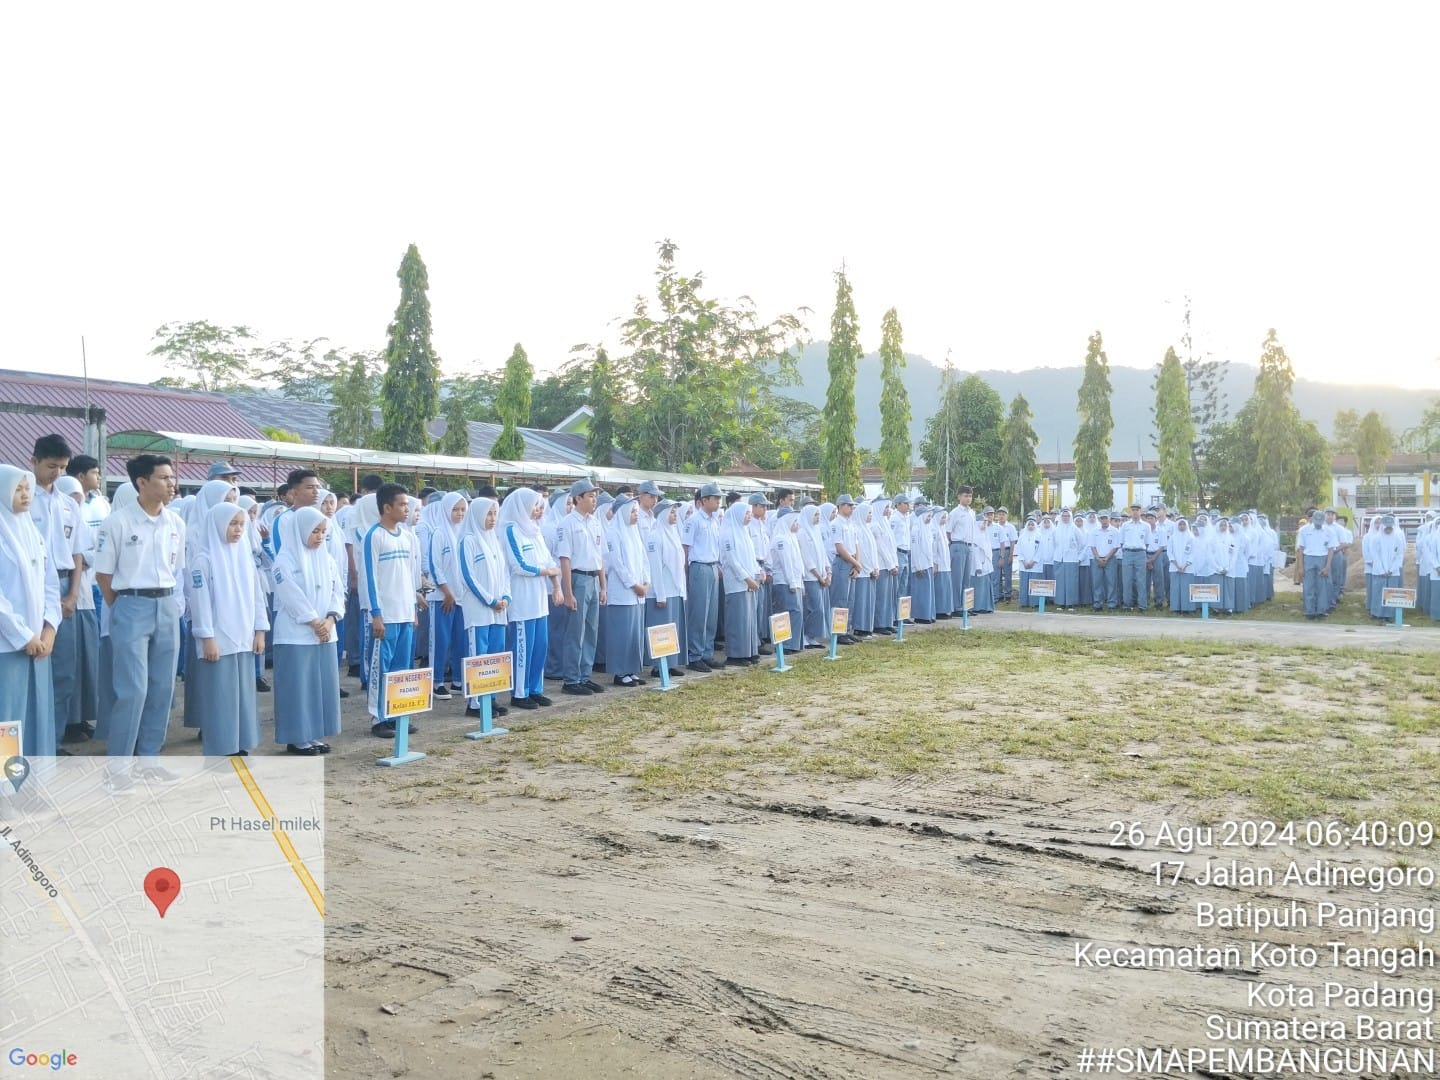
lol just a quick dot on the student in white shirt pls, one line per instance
(79, 726)
(665, 603)
(628, 586)
(58, 519)
(1315, 550)
(309, 601)
(386, 554)
(137, 564)
(1388, 566)
(534, 576)
(29, 615)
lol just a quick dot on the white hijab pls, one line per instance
(311, 568)
(734, 533)
(490, 574)
(20, 544)
(812, 539)
(230, 575)
(667, 550)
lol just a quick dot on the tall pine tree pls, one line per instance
(600, 437)
(1092, 441)
(513, 402)
(894, 406)
(1277, 430)
(1019, 471)
(410, 392)
(1174, 432)
(352, 413)
(839, 462)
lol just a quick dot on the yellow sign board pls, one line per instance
(1205, 593)
(11, 740)
(780, 627)
(1043, 587)
(408, 692)
(664, 640)
(1401, 598)
(903, 609)
(492, 673)
(839, 620)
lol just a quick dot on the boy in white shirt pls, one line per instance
(389, 582)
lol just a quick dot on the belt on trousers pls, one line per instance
(1134, 549)
(587, 573)
(903, 551)
(704, 564)
(148, 594)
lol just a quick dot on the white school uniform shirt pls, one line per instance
(1133, 535)
(1178, 550)
(389, 577)
(307, 582)
(626, 563)
(900, 530)
(667, 561)
(961, 526)
(1104, 540)
(737, 553)
(526, 557)
(1314, 540)
(1027, 549)
(222, 589)
(760, 540)
(581, 539)
(1389, 553)
(485, 578)
(1047, 545)
(995, 535)
(701, 534)
(139, 551)
(29, 588)
(786, 560)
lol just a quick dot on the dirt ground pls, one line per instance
(560, 924)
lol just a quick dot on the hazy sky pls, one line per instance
(1011, 177)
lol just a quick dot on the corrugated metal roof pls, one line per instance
(126, 405)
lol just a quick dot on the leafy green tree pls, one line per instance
(410, 392)
(790, 441)
(1092, 440)
(557, 396)
(1204, 383)
(456, 440)
(940, 443)
(962, 441)
(1175, 431)
(600, 437)
(702, 371)
(352, 414)
(1424, 437)
(1374, 442)
(513, 401)
(1344, 430)
(279, 434)
(839, 462)
(1237, 480)
(301, 370)
(202, 356)
(1277, 430)
(1019, 471)
(478, 393)
(895, 447)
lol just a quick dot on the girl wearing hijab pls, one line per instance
(982, 579)
(228, 623)
(1027, 555)
(1425, 552)
(1179, 551)
(485, 593)
(1068, 543)
(447, 614)
(1239, 569)
(666, 600)
(817, 578)
(561, 504)
(922, 567)
(862, 592)
(29, 616)
(534, 573)
(944, 585)
(788, 567)
(365, 518)
(1204, 554)
(335, 545)
(740, 569)
(1047, 547)
(309, 600)
(1389, 564)
(889, 566)
(628, 583)
(1087, 526)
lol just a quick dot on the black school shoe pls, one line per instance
(571, 688)
(593, 686)
(627, 680)
(303, 751)
(261, 686)
(523, 703)
(675, 672)
(541, 699)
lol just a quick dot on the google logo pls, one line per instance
(56, 1060)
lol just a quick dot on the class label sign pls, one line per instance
(1043, 587)
(780, 627)
(408, 692)
(492, 673)
(1401, 598)
(11, 739)
(664, 640)
(1205, 593)
(903, 611)
(839, 621)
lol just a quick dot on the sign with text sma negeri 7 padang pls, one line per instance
(664, 640)
(491, 673)
(968, 598)
(408, 692)
(839, 621)
(1043, 587)
(902, 610)
(780, 627)
(1401, 598)
(11, 740)
(1205, 593)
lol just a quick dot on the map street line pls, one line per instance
(281, 837)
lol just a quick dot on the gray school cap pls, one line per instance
(434, 497)
(617, 505)
(1388, 521)
(604, 498)
(582, 487)
(664, 505)
(758, 499)
(649, 487)
(1103, 514)
(845, 500)
(784, 511)
(711, 491)
(902, 498)
(806, 501)
(220, 470)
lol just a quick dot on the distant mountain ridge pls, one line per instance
(1051, 393)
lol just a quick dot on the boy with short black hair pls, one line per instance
(390, 599)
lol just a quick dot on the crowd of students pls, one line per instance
(103, 603)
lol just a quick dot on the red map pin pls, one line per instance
(162, 886)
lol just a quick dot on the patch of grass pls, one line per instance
(1287, 732)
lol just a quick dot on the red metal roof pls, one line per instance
(128, 407)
